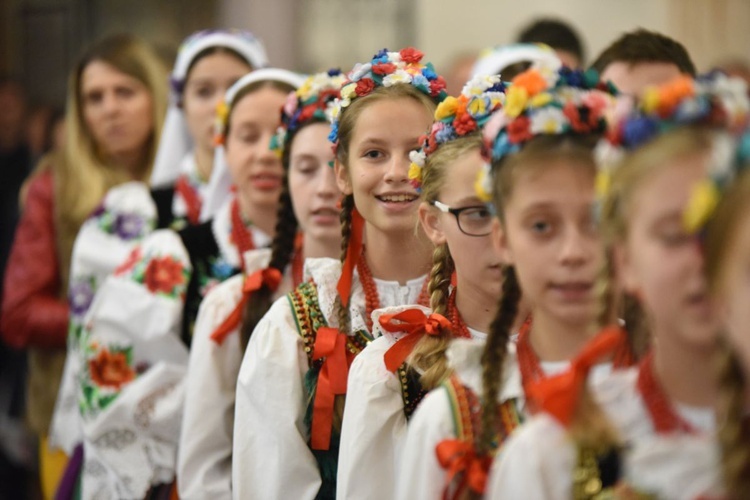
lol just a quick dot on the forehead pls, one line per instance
(632, 78)
(460, 176)
(221, 61)
(392, 119)
(263, 104)
(312, 139)
(98, 73)
(560, 183)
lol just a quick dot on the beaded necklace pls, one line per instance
(241, 236)
(660, 409)
(191, 198)
(372, 299)
(454, 316)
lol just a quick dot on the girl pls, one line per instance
(207, 64)
(385, 391)
(654, 434)
(140, 325)
(292, 382)
(115, 110)
(230, 311)
(541, 143)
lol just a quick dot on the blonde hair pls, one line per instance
(734, 432)
(83, 176)
(428, 355)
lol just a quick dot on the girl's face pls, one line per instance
(478, 264)
(312, 183)
(660, 263)
(377, 175)
(551, 239)
(208, 81)
(117, 110)
(255, 169)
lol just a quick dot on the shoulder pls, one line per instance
(465, 358)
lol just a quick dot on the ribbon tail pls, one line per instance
(344, 286)
(322, 418)
(398, 352)
(230, 323)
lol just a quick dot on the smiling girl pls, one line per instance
(230, 312)
(135, 349)
(292, 381)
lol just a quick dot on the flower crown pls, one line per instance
(457, 117)
(385, 70)
(308, 103)
(712, 100)
(562, 102)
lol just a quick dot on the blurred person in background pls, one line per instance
(459, 71)
(116, 102)
(559, 35)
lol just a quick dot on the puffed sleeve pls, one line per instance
(271, 455)
(34, 312)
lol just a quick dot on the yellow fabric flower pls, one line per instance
(480, 187)
(222, 110)
(702, 203)
(446, 108)
(650, 100)
(603, 183)
(349, 91)
(477, 107)
(415, 172)
(540, 100)
(515, 101)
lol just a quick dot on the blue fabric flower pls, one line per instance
(503, 146)
(638, 131)
(445, 134)
(429, 72)
(221, 269)
(334, 135)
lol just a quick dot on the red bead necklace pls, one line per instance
(191, 198)
(457, 322)
(372, 299)
(241, 236)
(660, 409)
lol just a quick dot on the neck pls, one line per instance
(132, 162)
(477, 308)
(684, 371)
(317, 247)
(397, 257)
(553, 340)
(261, 217)
(204, 161)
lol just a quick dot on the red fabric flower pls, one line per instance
(110, 369)
(411, 55)
(436, 86)
(162, 275)
(364, 86)
(307, 112)
(582, 119)
(519, 130)
(383, 68)
(464, 124)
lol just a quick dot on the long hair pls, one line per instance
(83, 176)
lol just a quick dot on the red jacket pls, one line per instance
(33, 314)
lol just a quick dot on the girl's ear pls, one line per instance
(429, 217)
(499, 238)
(342, 177)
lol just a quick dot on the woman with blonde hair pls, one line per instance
(116, 101)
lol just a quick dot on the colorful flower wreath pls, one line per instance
(712, 100)
(563, 102)
(308, 103)
(457, 117)
(385, 70)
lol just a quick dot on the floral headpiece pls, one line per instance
(457, 117)
(308, 103)
(712, 100)
(562, 102)
(385, 70)
(294, 80)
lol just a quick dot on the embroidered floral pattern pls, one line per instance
(161, 275)
(106, 371)
(126, 226)
(80, 296)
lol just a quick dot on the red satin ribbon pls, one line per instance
(558, 395)
(456, 456)
(416, 325)
(353, 252)
(270, 277)
(192, 200)
(330, 345)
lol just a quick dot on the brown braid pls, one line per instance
(282, 249)
(493, 357)
(428, 355)
(734, 433)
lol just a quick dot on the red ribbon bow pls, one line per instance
(558, 395)
(457, 456)
(416, 325)
(353, 252)
(330, 344)
(269, 276)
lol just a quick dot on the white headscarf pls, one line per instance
(493, 61)
(175, 142)
(220, 185)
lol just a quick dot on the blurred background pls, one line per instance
(40, 39)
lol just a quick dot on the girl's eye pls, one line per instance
(675, 238)
(541, 227)
(205, 92)
(125, 92)
(372, 154)
(477, 214)
(249, 138)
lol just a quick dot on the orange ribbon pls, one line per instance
(558, 395)
(353, 253)
(416, 325)
(457, 456)
(269, 276)
(330, 345)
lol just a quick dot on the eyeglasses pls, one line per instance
(475, 220)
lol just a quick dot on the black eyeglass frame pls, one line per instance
(457, 211)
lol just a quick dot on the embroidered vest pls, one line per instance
(412, 391)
